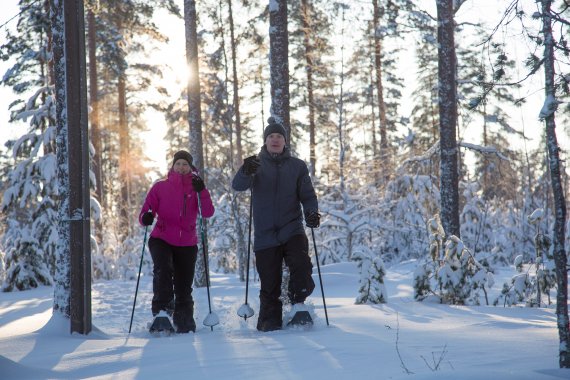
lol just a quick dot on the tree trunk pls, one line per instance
(447, 68)
(380, 90)
(279, 63)
(560, 257)
(72, 293)
(307, 30)
(239, 149)
(194, 114)
(238, 159)
(124, 157)
(94, 115)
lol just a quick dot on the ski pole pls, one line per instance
(211, 319)
(245, 311)
(320, 277)
(138, 279)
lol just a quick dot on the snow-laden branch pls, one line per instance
(549, 107)
(426, 156)
(485, 150)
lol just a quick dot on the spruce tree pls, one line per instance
(31, 194)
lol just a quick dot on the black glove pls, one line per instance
(250, 165)
(147, 218)
(197, 183)
(313, 219)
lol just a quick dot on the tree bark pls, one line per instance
(560, 257)
(124, 156)
(380, 90)
(94, 115)
(279, 63)
(194, 114)
(447, 68)
(72, 293)
(239, 149)
(307, 30)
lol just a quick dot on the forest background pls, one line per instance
(368, 125)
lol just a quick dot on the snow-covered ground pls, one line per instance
(402, 339)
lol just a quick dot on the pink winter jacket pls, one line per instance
(174, 204)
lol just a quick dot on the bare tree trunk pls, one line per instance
(94, 102)
(307, 30)
(238, 158)
(239, 149)
(72, 293)
(194, 113)
(447, 68)
(375, 151)
(380, 90)
(560, 257)
(94, 115)
(279, 63)
(341, 144)
(124, 157)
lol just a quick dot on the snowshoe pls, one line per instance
(161, 325)
(301, 318)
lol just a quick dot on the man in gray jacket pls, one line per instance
(280, 184)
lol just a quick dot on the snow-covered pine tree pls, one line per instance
(225, 237)
(545, 267)
(461, 277)
(372, 272)
(31, 187)
(345, 224)
(423, 274)
(26, 267)
(536, 277)
(409, 200)
(458, 278)
(476, 227)
(514, 292)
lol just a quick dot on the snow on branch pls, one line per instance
(424, 157)
(485, 150)
(548, 108)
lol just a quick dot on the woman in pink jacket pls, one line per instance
(173, 243)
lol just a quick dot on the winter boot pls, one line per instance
(184, 318)
(270, 317)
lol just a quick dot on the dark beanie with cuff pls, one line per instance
(184, 155)
(274, 127)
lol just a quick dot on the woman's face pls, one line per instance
(182, 166)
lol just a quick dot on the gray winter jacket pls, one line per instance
(280, 185)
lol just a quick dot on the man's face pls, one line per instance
(275, 143)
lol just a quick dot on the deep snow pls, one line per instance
(402, 339)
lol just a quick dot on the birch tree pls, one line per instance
(548, 115)
(555, 87)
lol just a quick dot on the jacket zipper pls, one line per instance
(183, 211)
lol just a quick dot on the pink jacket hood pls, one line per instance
(174, 204)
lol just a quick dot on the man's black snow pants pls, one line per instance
(269, 261)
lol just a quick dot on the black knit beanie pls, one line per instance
(273, 127)
(182, 154)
